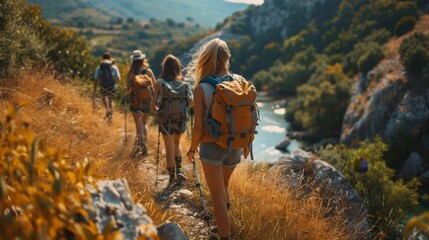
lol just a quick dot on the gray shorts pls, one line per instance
(211, 153)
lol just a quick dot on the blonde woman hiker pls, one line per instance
(107, 76)
(140, 84)
(225, 121)
(172, 99)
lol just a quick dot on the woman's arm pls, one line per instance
(154, 101)
(130, 77)
(152, 77)
(190, 95)
(197, 131)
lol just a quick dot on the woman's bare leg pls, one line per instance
(215, 181)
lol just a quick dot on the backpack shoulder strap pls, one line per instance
(212, 81)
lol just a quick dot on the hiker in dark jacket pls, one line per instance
(140, 83)
(172, 99)
(107, 76)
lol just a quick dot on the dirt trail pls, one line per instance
(181, 200)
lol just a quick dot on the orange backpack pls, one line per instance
(233, 115)
(141, 92)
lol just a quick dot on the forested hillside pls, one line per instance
(203, 12)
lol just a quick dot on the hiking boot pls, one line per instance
(172, 175)
(179, 173)
(144, 152)
(109, 115)
(214, 233)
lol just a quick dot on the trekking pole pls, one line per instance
(157, 155)
(126, 134)
(207, 217)
(93, 103)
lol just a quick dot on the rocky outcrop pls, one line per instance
(273, 15)
(267, 17)
(373, 103)
(302, 166)
(413, 167)
(171, 231)
(112, 206)
(388, 102)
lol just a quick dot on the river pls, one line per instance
(271, 131)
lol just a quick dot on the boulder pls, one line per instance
(171, 231)
(413, 167)
(424, 178)
(302, 168)
(410, 115)
(282, 146)
(112, 204)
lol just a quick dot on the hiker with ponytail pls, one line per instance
(220, 151)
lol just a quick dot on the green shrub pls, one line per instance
(401, 145)
(405, 25)
(386, 200)
(16, 42)
(321, 103)
(415, 53)
(374, 53)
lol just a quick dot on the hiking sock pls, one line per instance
(179, 172)
(172, 175)
(178, 164)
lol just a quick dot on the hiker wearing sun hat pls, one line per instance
(107, 75)
(140, 85)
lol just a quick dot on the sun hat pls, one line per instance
(137, 55)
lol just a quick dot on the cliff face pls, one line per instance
(390, 102)
(273, 14)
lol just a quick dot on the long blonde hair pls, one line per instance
(211, 59)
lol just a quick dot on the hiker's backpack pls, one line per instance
(232, 118)
(173, 104)
(141, 91)
(107, 79)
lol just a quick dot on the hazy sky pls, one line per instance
(257, 2)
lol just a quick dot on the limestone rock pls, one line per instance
(300, 166)
(171, 231)
(413, 166)
(282, 146)
(410, 115)
(112, 203)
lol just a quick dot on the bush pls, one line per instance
(401, 145)
(405, 25)
(386, 200)
(414, 53)
(374, 53)
(41, 195)
(321, 103)
(15, 39)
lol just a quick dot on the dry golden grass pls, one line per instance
(259, 209)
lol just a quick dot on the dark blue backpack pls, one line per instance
(107, 80)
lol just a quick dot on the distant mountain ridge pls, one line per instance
(205, 12)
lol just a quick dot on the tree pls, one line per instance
(130, 20)
(119, 20)
(321, 103)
